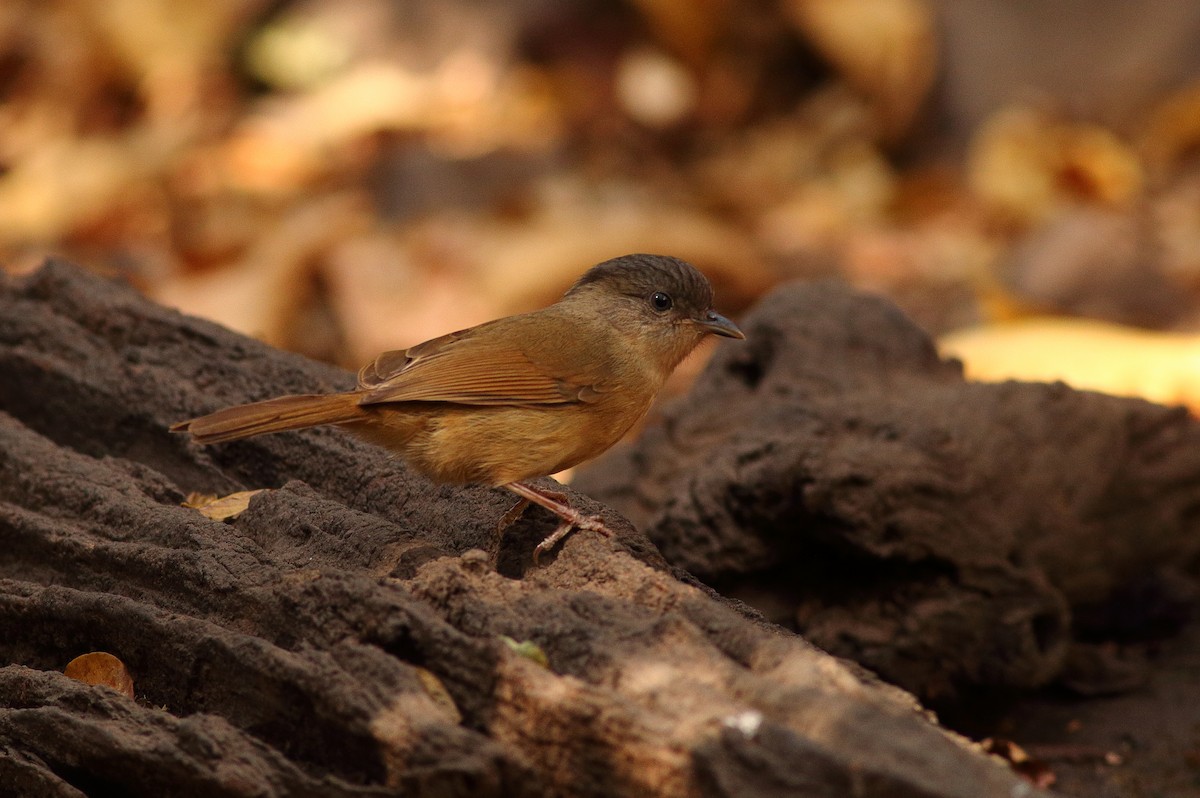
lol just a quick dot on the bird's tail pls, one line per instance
(273, 415)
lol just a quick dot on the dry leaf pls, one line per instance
(1088, 355)
(883, 48)
(440, 695)
(267, 291)
(220, 508)
(1027, 165)
(65, 183)
(100, 667)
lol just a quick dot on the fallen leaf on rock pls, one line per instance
(100, 667)
(1089, 355)
(527, 649)
(221, 508)
(438, 692)
(1036, 771)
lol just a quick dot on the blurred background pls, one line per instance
(341, 178)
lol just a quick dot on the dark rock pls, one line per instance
(343, 636)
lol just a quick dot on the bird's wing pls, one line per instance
(469, 367)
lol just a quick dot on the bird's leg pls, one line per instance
(556, 503)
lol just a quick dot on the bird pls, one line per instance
(520, 397)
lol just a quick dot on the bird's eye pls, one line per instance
(661, 301)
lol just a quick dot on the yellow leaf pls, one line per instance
(220, 508)
(1085, 354)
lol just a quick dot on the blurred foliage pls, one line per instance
(343, 178)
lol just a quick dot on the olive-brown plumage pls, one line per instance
(520, 397)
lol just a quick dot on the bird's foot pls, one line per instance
(556, 503)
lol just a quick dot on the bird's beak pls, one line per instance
(717, 324)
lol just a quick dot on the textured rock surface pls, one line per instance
(835, 473)
(343, 635)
